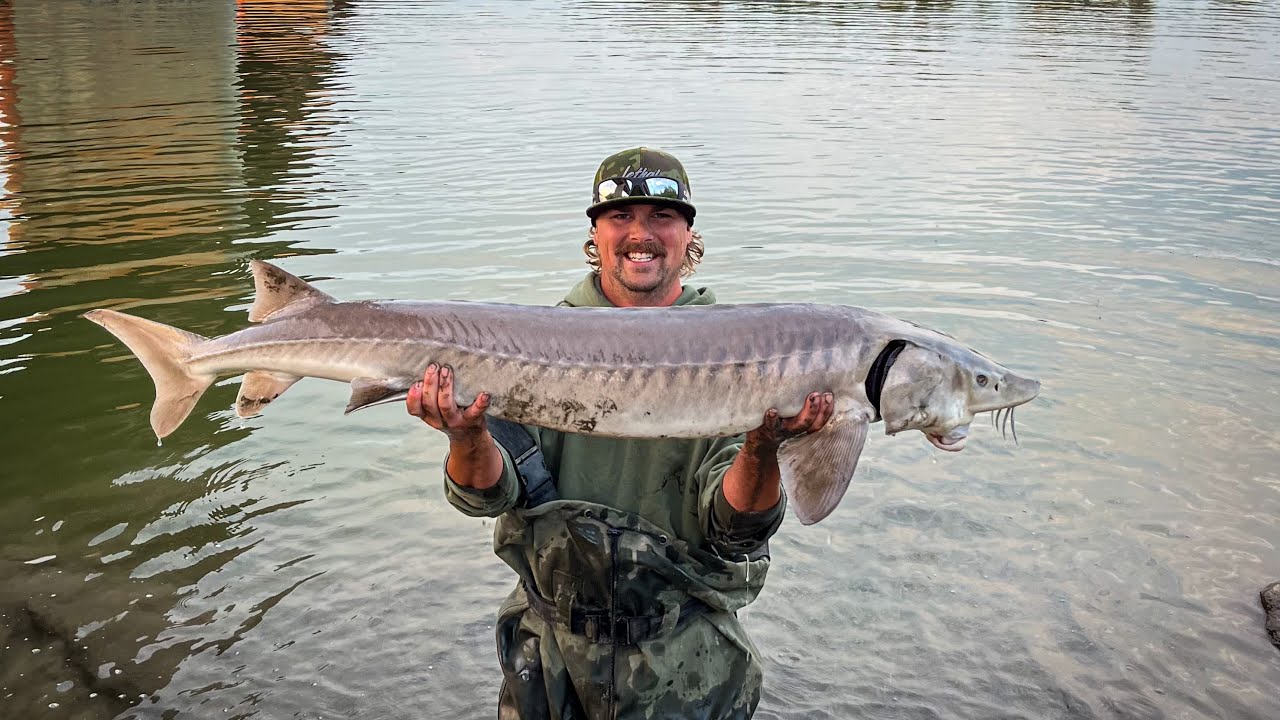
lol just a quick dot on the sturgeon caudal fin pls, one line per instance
(278, 293)
(163, 351)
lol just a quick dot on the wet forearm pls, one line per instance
(753, 481)
(474, 461)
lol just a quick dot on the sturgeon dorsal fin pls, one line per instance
(277, 292)
(816, 469)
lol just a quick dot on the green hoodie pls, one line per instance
(641, 532)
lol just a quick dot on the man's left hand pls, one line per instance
(752, 483)
(817, 410)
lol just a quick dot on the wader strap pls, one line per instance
(538, 483)
(594, 625)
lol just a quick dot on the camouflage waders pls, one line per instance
(608, 622)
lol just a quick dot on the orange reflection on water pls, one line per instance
(9, 120)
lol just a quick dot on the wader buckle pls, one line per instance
(594, 625)
(596, 628)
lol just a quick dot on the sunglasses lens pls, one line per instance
(663, 187)
(614, 189)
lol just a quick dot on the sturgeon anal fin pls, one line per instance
(259, 388)
(367, 392)
(816, 469)
(278, 293)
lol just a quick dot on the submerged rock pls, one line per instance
(1271, 603)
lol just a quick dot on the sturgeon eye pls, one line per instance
(982, 380)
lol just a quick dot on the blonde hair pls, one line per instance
(692, 254)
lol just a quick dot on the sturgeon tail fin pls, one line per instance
(163, 351)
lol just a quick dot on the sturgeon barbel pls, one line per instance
(683, 372)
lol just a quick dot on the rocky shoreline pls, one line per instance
(1271, 604)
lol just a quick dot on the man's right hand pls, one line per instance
(474, 460)
(432, 401)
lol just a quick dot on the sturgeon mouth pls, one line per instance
(951, 442)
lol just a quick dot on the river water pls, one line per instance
(1087, 191)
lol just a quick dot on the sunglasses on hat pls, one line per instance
(658, 187)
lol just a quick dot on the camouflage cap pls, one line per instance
(639, 164)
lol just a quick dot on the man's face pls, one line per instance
(641, 249)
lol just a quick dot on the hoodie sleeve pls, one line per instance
(731, 532)
(490, 502)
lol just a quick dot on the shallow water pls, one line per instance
(1089, 192)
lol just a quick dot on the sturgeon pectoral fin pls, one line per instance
(367, 392)
(816, 469)
(278, 293)
(259, 388)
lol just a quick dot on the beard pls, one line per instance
(652, 283)
(643, 283)
(660, 271)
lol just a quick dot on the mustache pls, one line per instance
(652, 248)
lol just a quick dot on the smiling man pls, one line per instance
(641, 250)
(634, 556)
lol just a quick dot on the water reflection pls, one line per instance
(9, 121)
(135, 166)
(285, 78)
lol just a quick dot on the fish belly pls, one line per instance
(692, 401)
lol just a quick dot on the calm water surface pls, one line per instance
(1090, 192)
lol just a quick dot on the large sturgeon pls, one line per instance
(637, 373)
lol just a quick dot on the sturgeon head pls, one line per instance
(929, 383)
(937, 388)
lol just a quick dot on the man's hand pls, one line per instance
(474, 460)
(753, 482)
(432, 401)
(774, 430)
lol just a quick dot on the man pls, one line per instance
(633, 555)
